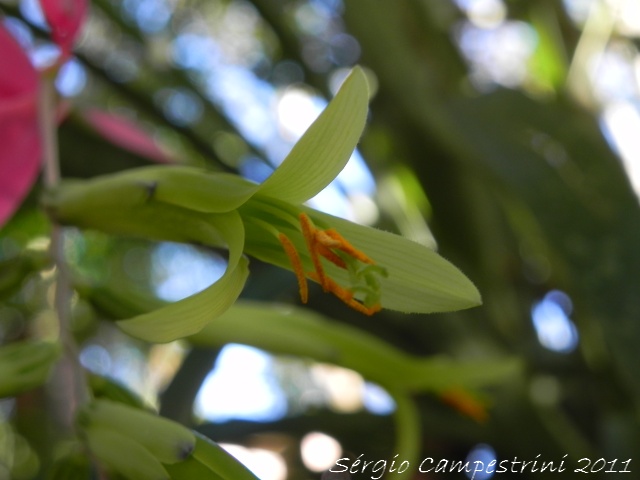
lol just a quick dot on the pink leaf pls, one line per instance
(65, 17)
(126, 134)
(19, 134)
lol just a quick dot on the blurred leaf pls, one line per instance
(14, 270)
(549, 63)
(588, 211)
(25, 365)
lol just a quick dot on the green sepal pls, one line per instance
(325, 148)
(219, 461)
(190, 315)
(108, 388)
(167, 441)
(121, 454)
(191, 469)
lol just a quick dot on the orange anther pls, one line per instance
(329, 255)
(296, 263)
(347, 296)
(346, 247)
(309, 233)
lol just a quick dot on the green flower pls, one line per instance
(367, 268)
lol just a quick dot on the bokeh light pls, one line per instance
(553, 326)
(241, 386)
(319, 451)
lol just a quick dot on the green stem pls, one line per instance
(71, 388)
(408, 434)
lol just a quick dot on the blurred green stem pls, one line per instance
(70, 385)
(408, 435)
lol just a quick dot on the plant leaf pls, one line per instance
(19, 131)
(325, 148)
(190, 315)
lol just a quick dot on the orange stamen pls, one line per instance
(294, 258)
(309, 233)
(347, 296)
(464, 403)
(344, 245)
(322, 243)
(332, 257)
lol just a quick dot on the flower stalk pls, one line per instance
(70, 380)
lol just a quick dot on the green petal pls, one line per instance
(219, 461)
(325, 148)
(188, 316)
(418, 281)
(298, 331)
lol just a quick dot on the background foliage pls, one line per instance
(486, 124)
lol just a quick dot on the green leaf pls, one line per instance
(325, 148)
(188, 316)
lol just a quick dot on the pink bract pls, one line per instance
(65, 18)
(127, 134)
(19, 131)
